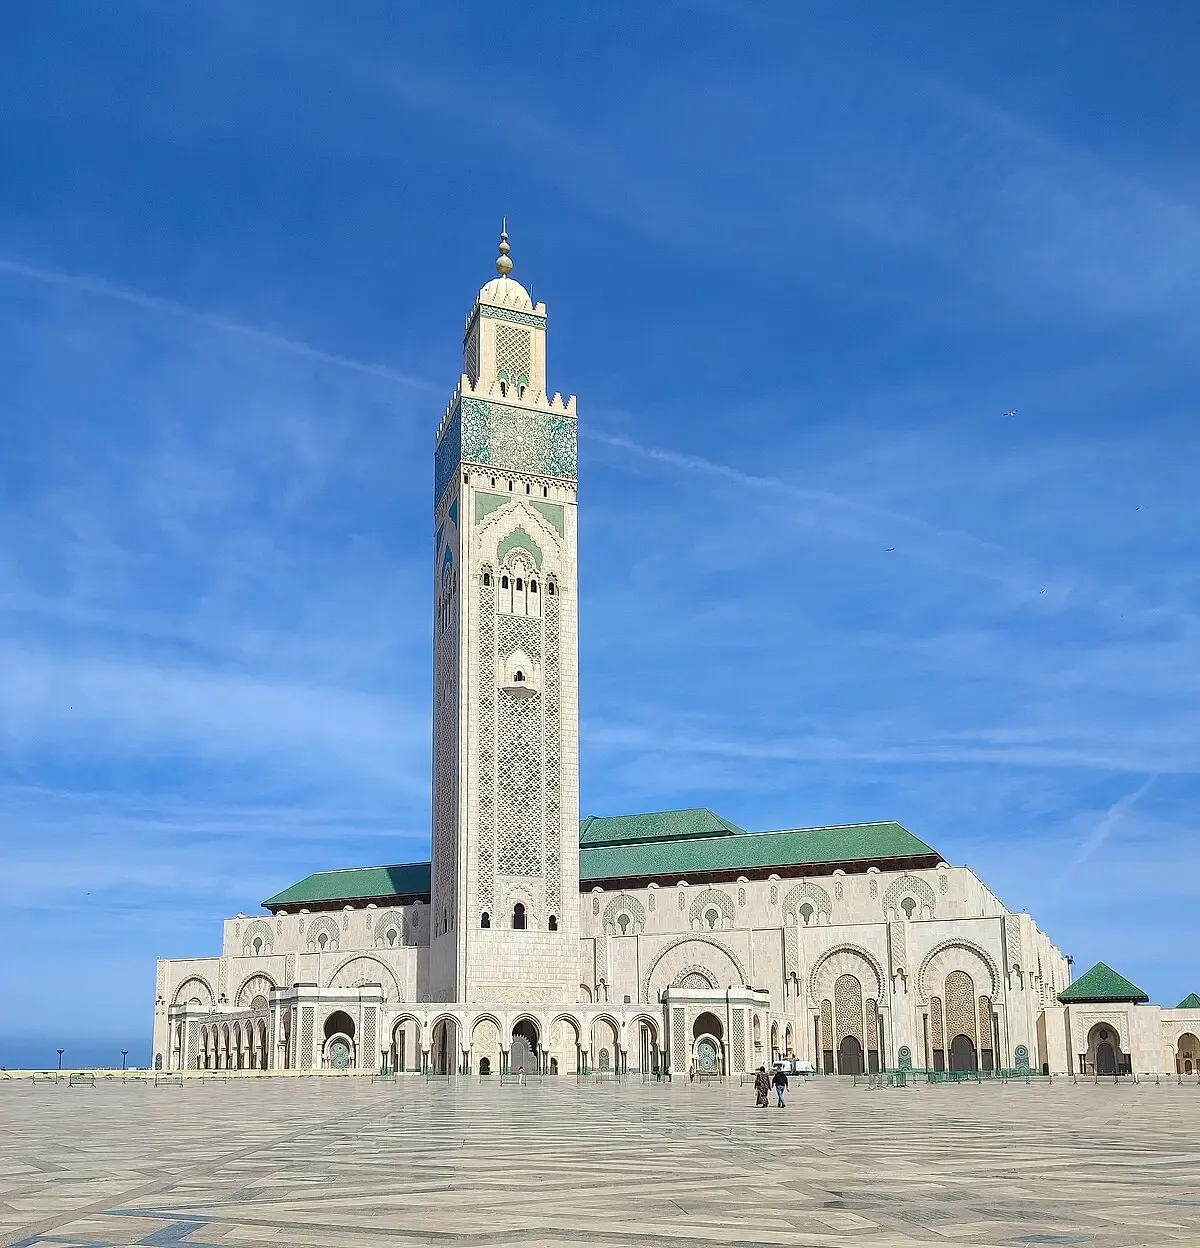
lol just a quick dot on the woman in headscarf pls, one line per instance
(762, 1087)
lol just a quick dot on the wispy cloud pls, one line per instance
(85, 285)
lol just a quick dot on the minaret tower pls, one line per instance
(505, 922)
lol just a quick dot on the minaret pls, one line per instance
(505, 922)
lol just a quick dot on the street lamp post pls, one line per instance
(124, 1055)
(60, 1053)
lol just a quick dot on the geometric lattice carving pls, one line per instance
(629, 908)
(678, 1047)
(259, 930)
(487, 741)
(513, 361)
(367, 1057)
(389, 929)
(707, 900)
(306, 1038)
(935, 1023)
(1012, 939)
(739, 1040)
(743, 977)
(899, 946)
(948, 952)
(194, 988)
(323, 925)
(845, 958)
(553, 773)
(985, 1023)
(872, 1023)
(445, 770)
(695, 977)
(917, 891)
(960, 1005)
(791, 950)
(256, 986)
(826, 1025)
(817, 899)
(848, 1008)
(519, 781)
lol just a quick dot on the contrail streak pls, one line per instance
(170, 307)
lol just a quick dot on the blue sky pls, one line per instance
(800, 262)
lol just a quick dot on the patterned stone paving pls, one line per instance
(346, 1162)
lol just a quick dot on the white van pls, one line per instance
(791, 1066)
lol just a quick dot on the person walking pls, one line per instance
(781, 1083)
(520, 1076)
(762, 1086)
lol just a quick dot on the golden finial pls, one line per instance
(504, 265)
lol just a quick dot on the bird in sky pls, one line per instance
(1012, 413)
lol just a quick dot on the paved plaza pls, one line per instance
(348, 1162)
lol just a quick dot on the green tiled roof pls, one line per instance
(1190, 1002)
(678, 843)
(856, 842)
(662, 825)
(408, 879)
(1101, 983)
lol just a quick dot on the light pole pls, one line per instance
(124, 1055)
(60, 1053)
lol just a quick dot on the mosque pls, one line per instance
(647, 943)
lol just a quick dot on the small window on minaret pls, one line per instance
(485, 920)
(533, 587)
(518, 678)
(550, 589)
(518, 585)
(527, 487)
(504, 582)
(545, 491)
(552, 925)
(519, 917)
(487, 578)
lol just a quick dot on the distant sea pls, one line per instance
(41, 1053)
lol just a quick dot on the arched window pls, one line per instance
(503, 388)
(322, 940)
(533, 587)
(545, 491)
(493, 483)
(258, 944)
(550, 589)
(553, 923)
(485, 920)
(519, 585)
(519, 917)
(806, 913)
(527, 487)
(908, 906)
(711, 917)
(518, 678)
(504, 582)
(623, 923)
(391, 936)
(487, 578)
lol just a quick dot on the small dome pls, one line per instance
(507, 291)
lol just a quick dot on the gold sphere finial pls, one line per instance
(504, 266)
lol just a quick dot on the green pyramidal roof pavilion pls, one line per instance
(1102, 985)
(694, 844)
(1190, 1002)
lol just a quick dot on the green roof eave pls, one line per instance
(1190, 1002)
(661, 825)
(1102, 985)
(750, 851)
(409, 879)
